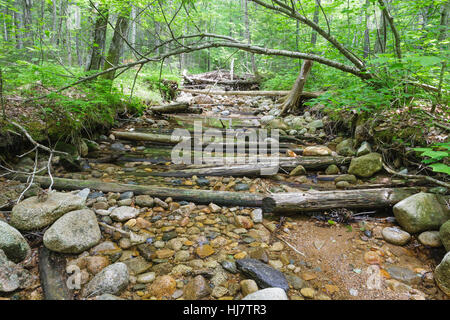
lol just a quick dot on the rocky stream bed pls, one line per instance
(129, 245)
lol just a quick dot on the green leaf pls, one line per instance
(427, 61)
(440, 167)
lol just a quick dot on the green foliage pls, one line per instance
(436, 157)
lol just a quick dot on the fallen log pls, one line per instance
(198, 196)
(262, 167)
(179, 107)
(153, 137)
(309, 95)
(325, 200)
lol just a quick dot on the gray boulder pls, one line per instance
(267, 294)
(264, 275)
(366, 166)
(421, 212)
(32, 214)
(345, 148)
(73, 233)
(364, 149)
(444, 234)
(442, 274)
(12, 276)
(13, 243)
(124, 213)
(113, 279)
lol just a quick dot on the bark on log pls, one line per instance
(308, 95)
(325, 200)
(137, 136)
(198, 196)
(171, 108)
(256, 169)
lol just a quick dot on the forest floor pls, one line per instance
(330, 261)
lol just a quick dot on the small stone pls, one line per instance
(163, 286)
(257, 215)
(95, 264)
(444, 235)
(144, 201)
(442, 274)
(248, 286)
(396, 236)
(308, 293)
(112, 279)
(267, 294)
(298, 171)
(277, 246)
(219, 292)
(332, 169)
(196, 289)
(13, 243)
(124, 213)
(372, 257)
(204, 251)
(164, 253)
(243, 222)
(317, 151)
(343, 185)
(229, 266)
(430, 238)
(146, 277)
(214, 208)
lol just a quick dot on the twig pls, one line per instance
(411, 176)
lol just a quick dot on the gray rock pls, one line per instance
(12, 276)
(396, 236)
(403, 274)
(364, 149)
(31, 214)
(444, 235)
(257, 215)
(230, 266)
(118, 147)
(13, 243)
(113, 279)
(332, 169)
(298, 171)
(241, 187)
(345, 148)
(431, 239)
(124, 213)
(421, 212)
(84, 193)
(316, 124)
(107, 296)
(73, 233)
(442, 274)
(126, 195)
(267, 294)
(264, 275)
(366, 166)
(296, 282)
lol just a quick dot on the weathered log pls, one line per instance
(197, 80)
(308, 95)
(325, 200)
(264, 166)
(52, 270)
(171, 108)
(198, 196)
(138, 136)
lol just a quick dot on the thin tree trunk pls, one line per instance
(98, 47)
(366, 48)
(27, 22)
(293, 99)
(116, 45)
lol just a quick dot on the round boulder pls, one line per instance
(13, 243)
(73, 233)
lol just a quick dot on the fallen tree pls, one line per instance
(326, 200)
(198, 196)
(306, 95)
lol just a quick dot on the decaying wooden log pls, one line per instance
(325, 200)
(179, 107)
(307, 95)
(138, 136)
(264, 167)
(198, 196)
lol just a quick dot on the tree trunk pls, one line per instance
(27, 22)
(98, 46)
(116, 45)
(326, 200)
(293, 99)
